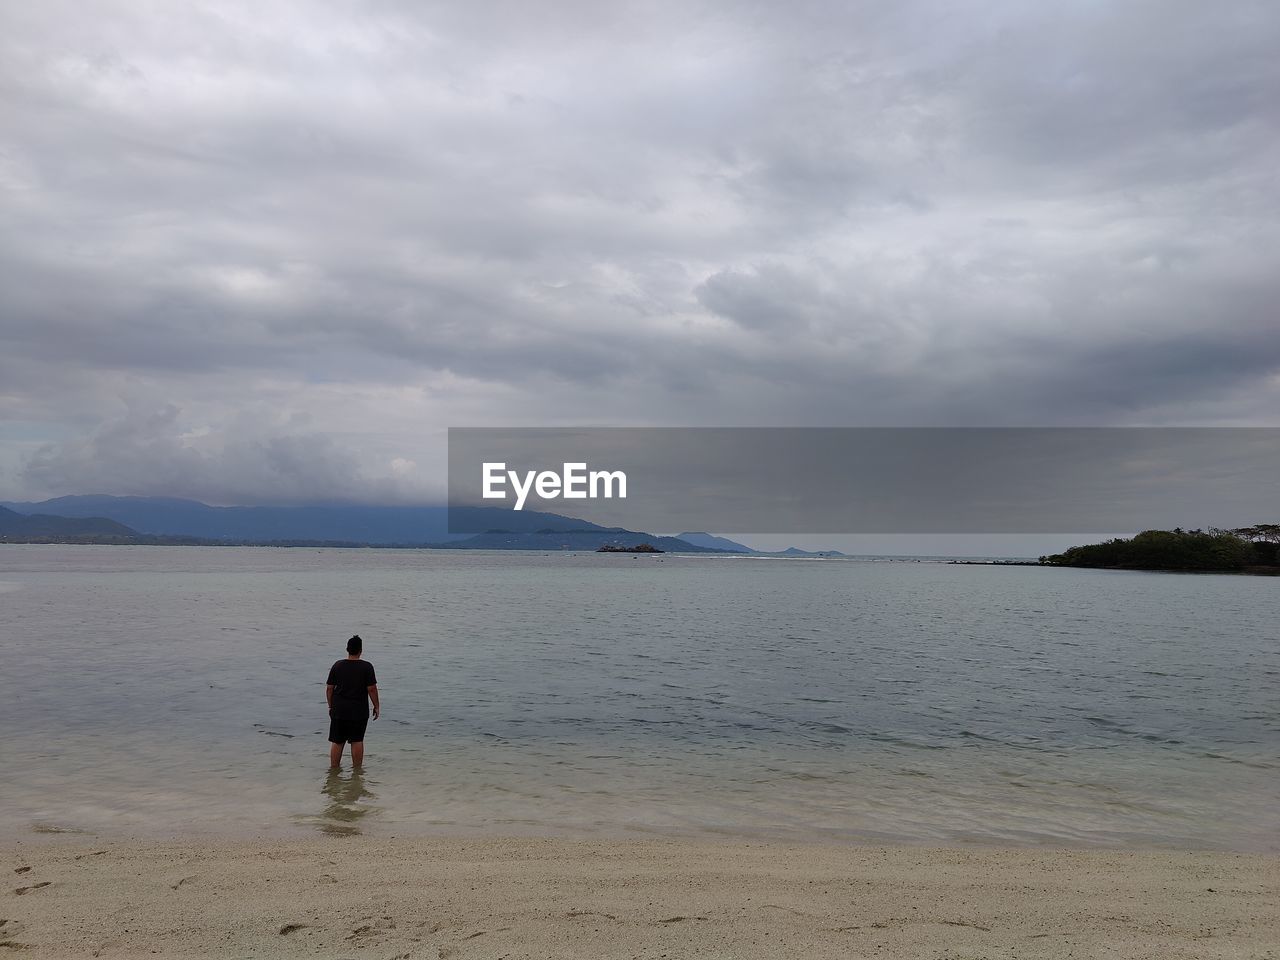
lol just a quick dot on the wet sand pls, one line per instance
(437, 898)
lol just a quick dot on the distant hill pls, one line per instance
(18, 528)
(732, 546)
(586, 539)
(797, 552)
(714, 542)
(347, 523)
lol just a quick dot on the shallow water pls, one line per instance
(179, 690)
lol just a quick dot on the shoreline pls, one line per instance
(554, 896)
(322, 829)
(1254, 570)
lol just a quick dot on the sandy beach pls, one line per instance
(410, 898)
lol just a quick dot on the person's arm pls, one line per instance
(328, 695)
(373, 695)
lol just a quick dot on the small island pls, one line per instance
(1242, 550)
(638, 548)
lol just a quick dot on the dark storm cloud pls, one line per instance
(249, 467)
(272, 251)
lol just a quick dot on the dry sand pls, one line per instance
(358, 897)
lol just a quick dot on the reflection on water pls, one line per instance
(346, 803)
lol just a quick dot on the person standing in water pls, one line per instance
(351, 685)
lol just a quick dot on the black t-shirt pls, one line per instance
(351, 680)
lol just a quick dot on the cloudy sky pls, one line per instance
(268, 252)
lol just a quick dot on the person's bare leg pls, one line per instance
(357, 753)
(335, 754)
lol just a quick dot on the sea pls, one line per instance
(179, 691)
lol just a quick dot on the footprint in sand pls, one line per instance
(20, 891)
(572, 914)
(451, 950)
(372, 925)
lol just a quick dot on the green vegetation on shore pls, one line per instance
(1247, 549)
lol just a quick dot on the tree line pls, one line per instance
(1243, 548)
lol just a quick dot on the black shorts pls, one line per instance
(347, 725)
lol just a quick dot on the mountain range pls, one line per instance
(353, 523)
(17, 527)
(711, 541)
(101, 518)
